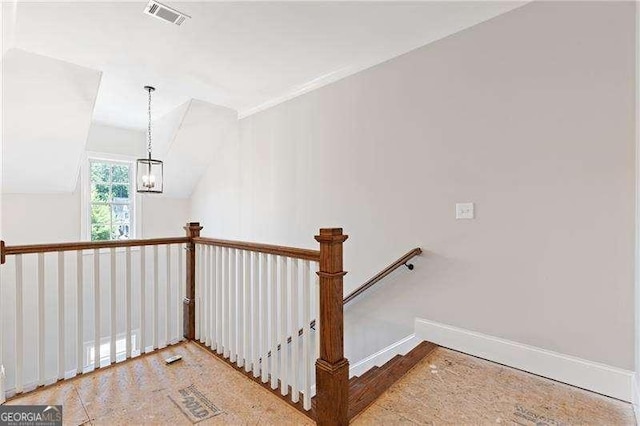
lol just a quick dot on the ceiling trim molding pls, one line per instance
(329, 78)
(347, 71)
(314, 84)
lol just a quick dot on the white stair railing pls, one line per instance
(256, 305)
(66, 314)
(251, 304)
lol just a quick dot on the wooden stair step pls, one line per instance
(362, 385)
(364, 390)
(367, 373)
(375, 372)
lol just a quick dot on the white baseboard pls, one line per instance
(401, 347)
(593, 376)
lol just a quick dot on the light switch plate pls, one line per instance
(464, 211)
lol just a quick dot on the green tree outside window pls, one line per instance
(110, 200)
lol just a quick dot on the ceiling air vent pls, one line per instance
(165, 13)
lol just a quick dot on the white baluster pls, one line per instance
(255, 306)
(282, 315)
(143, 299)
(219, 300)
(274, 321)
(225, 303)
(19, 326)
(155, 321)
(246, 285)
(127, 302)
(211, 270)
(295, 326)
(198, 293)
(212, 295)
(112, 258)
(231, 317)
(307, 341)
(181, 293)
(239, 315)
(96, 309)
(167, 315)
(202, 293)
(61, 348)
(206, 275)
(264, 315)
(80, 313)
(41, 324)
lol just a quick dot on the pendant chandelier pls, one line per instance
(148, 170)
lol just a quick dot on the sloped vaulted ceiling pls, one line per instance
(203, 129)
(246, 56)
(48, 105)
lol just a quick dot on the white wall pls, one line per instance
(41, 218)
(56, 217)
(529, 115)
(50, 218)
(163, 217)
(116, 140)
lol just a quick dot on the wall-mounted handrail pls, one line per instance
(386, 271)
(293, 252)
(379, 276)
(87, 245)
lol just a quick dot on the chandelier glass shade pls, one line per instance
(149, 172)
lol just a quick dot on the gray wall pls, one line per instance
(529, 115)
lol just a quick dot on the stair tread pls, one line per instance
(365, 389)
(368, 373)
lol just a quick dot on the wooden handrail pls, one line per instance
(395, 265)
(296, 253)
(88, 245)
(386, 271)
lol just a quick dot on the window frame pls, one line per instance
(87, 203)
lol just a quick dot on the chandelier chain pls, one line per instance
(149, 127)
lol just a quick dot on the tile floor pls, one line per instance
(447, 387)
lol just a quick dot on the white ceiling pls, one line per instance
(244, 56)
(47, 106)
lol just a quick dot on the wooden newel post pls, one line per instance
(189, 302)
(332, 368)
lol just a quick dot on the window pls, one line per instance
(111, 203)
